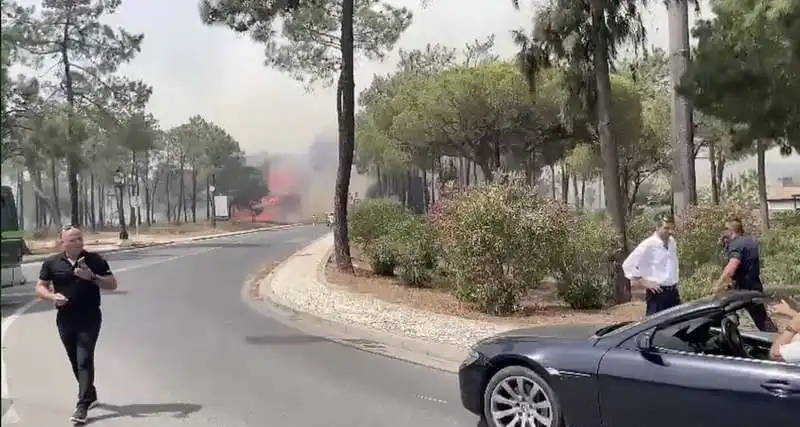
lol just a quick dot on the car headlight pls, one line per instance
(472, 357)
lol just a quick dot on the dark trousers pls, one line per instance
(667, 298)
(761, 318)
(79, 337)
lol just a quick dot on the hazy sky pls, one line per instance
(195, 69)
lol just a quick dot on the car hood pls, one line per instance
(549, 332)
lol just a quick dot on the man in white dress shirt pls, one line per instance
(653, 265)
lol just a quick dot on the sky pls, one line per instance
(196, 69)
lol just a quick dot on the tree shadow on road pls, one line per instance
(283, 339)
(145, 410)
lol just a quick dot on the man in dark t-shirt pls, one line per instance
(72, 280)
(743, 270)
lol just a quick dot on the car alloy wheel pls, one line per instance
(517, 397)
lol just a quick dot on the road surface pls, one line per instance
(179, 347)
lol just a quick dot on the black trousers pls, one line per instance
(79, 336)
(667, 298)
(761, 318)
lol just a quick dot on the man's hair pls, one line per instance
(735, 224)
(665, 220)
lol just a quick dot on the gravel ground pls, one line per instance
(299, 284)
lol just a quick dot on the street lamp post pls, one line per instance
(119, 182)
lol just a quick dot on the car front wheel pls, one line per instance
(518, 397)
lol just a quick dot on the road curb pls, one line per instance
(434, 355)
(40, 258)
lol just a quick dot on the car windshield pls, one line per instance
(624, 326)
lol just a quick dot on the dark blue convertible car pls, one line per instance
(695, 365)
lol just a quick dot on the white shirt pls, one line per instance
(653, 261)
(790, 352)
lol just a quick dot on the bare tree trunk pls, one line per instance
(346, 119)
(712, 162)
(608, 151)
(761, 148)
(683, 185)
(194, 194)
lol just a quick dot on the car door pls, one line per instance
(660, 388)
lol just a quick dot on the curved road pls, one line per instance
(179, 347)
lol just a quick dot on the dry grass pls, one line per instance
(540, 307)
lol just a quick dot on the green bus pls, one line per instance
(11, 241)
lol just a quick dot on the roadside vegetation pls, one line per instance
(495, 182)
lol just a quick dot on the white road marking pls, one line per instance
(11, 416)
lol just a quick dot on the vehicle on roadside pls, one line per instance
(12, 245)
(694, 365)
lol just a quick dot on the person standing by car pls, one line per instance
(743, 270)
(653, 265)
(786, 348)
(72, 280)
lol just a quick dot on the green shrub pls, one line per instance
(495, 241)
(414, 243)
(586, 294)
(699, 284)
(786, 220)
(780, 252)
(580, 261)
(699, 231)
(382, 255)
(373, 218)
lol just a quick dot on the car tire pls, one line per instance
(534, 380)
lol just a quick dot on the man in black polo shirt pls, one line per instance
(72, 280)
(743, 270)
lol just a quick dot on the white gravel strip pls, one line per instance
(297, 284)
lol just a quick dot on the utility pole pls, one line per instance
(684, 187)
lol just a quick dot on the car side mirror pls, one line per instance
(644, 342)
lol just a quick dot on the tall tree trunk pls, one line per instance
(93, 202)
(181, 192)
(212, 206)
(564, 182)
(553, 180)
(684, 186)
(608, 150)
(101, 206)
(583, 193)
(168, 194)
(712, 163)
(575, 192)
(21, 198)
(194, 194)
(346, 118)
(761, 149)
(56, 205)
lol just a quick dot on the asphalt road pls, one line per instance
(179, 347)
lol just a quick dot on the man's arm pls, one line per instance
(783, 348)
(43, 289)
(104, 279)
(631, 265)
(734, 260)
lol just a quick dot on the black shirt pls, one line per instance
(83, 295)
(748, 274)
